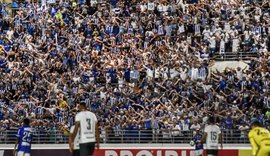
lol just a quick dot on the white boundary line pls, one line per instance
(127, 146)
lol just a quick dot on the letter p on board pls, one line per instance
(110, 153)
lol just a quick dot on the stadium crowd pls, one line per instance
(136, 64)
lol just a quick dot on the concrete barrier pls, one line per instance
(220, 66)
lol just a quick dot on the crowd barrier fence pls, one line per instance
(126, 137)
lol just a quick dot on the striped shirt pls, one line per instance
(88, 102)
(134, 74)
(203, 72)
(154, 123)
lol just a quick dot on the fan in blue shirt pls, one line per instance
(24, 140)
(198, 145)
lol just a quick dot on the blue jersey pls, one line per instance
(25, 139)
(196, 139)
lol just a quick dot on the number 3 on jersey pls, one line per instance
(88, 121)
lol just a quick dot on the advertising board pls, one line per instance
(125, 152)
(130, 150)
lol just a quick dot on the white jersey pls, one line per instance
(76, 140)
(151, 6)
(212, 139)
(88, 122)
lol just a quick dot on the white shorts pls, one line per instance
(21, 153)
(196, 153)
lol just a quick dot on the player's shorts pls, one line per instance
(21, 153)
(76, 152)
(199, 152)
(213, 152)
(87, 149)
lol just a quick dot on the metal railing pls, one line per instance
(127, 136)
(235, 56)
(39, 137)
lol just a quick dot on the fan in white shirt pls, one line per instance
(143, 7)
(10, 33)
(174, 73)
(212, 41)
(239, 73)
(195, 126)
(206, 33)
(194, 73)
(183, 73)
(151, 6)
(235, 44)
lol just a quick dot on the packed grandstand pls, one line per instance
(139, 65)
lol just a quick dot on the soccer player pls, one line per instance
(259, 138)
(75, 148)
(212, 135)
(86, 122)
(198, 145)
(24, 140)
